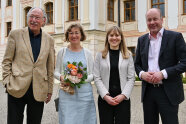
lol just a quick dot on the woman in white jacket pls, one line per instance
(78, 108)
(114, 78)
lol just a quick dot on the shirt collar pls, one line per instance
(160, 33)
(32, 34)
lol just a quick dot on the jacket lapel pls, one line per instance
(27, 42)
(43, 42)
(146, 49)
(163, 42)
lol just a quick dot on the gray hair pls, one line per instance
(44, 14)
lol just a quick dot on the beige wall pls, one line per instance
(60, 23)
(96, 36)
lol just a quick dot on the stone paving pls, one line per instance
(50, 116)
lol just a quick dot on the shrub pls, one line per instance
(137, 78)
(184, 80)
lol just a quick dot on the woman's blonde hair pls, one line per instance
(122, 45)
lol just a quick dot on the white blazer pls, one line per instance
(59, 64)
(102, 74)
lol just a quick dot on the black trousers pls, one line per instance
(16, 109)
(156, 102)
(119, 114)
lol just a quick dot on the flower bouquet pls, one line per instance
(74, 75)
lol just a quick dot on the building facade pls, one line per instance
(96, 16)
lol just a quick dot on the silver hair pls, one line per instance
(44, 14)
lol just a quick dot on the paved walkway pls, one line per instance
(51, 117)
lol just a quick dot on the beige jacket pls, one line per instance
(19, 68)
(102, 74)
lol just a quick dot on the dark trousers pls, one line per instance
(156, 102)
(16, 109)
(119, 114)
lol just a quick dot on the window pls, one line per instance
(49, 12)
(0, 3)
(159, 4)
(129, 11)
(9, 2)
(9, 27)
(184, 6)
(132, 50)
(110, 10)
(26, 12)
(73, 10)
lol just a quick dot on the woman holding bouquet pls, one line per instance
(114, 78)
(75, 63)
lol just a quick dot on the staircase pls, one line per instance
(2, 51)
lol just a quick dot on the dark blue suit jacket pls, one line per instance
(172, 58)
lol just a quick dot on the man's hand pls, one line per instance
(157, 77)
(110, 100)
(49, 95)
(119, 98)
(147, 76)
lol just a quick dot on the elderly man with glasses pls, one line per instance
(28, 67)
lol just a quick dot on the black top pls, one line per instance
(114, 82)
(35, 42)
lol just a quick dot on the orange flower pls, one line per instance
(74, 67)
(69, 66)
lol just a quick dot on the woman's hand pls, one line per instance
(119, 98)
(62, 82)
(110, 100)
(61, 79)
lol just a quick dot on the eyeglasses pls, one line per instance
(36, 17)
(72, 33)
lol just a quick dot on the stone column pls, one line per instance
(101, 14)
(3, 5)
(85, 21)
(20, 16)
(59, 16)
(93, 14)
(142, 8)
(14, 13)
(172, 14)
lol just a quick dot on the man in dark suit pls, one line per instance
(160, 61)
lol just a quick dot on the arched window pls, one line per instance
(110, 10)
(9, 27)
(49, 12)
(73, 10)
(26, 12)
(184, 6)
(159, 4)
(9, 2)
(129, 10)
